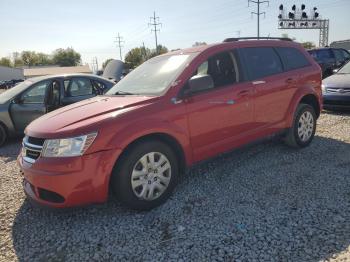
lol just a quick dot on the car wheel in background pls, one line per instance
(3, 135)
(145, 175)
(304, 126)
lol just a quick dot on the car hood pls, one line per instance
(85, 113)
(337, 80)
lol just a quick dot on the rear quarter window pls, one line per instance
(292, 58)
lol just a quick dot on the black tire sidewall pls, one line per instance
(121, 177)
(301, 110)
(3, 135)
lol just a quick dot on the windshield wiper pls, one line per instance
(124, 93)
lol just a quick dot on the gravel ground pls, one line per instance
(266, 202)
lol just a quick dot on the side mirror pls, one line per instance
(200, 83)
(18, 100)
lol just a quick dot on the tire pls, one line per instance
(3, 135)
(134, 175)
(304, 127)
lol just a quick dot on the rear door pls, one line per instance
(30, 105)
(77, 89)
(221, 115)
(264, 68)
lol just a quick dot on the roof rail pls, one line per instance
(257, 38)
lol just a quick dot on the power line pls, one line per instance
(258, 13)
(154, 21)
(119, 41)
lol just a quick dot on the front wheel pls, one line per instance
(304, 126)
(145, 175)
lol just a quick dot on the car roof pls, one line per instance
(46, 77)
(234, 44)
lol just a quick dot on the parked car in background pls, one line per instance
(336, 89)
(9, 83)
(169, 113)
(36, 96)
(330, 59)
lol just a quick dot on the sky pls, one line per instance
(90, 27)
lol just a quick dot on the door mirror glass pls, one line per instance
(200, 83)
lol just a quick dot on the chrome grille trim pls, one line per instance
(337, 90)
(28, 146)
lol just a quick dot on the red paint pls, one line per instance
(202, 128)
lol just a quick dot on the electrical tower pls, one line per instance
(119, 41)
(94, 64)
(154, 21)
(258, 13)
(300, 19)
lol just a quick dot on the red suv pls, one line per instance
(169, 113)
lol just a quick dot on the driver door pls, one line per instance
(30, 105)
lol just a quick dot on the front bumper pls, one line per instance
(331, 101)
(70, 181)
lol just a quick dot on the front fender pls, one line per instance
(140, 128)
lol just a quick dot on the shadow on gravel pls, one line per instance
(9, 151)
(264, 202)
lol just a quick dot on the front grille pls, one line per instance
(335, 90)
(32, 148)
(36, 141)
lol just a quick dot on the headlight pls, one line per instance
(68, 147)
(323, 87)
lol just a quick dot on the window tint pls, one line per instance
(338, 55)
(345, 54)
(261, 61)
(323, 55)
(78, 87)
(292, 58)
(222, 68)
(36, 94)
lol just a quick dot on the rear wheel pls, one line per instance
(3, 135)
(304, 126)
(145, 175)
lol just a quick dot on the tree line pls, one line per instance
(60, 57)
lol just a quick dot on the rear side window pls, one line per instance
(323, 55)
(78, 87)
(261, 61)
(292, 58)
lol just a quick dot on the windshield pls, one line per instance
(152, 77)
(11, 93)
(345, 69)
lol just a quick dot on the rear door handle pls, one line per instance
(290, 81)
(243, 93)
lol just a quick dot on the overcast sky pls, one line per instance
(90, 26)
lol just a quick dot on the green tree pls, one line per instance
(66, 57)
(137, 56)
(5, 62)
(161, 50)
(43, 59)
(104, 64)
(308, 45)
(29, 58)
(18, 62)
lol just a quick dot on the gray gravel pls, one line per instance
(266, 202)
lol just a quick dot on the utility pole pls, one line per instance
(258, 13)
(119, 41)
(154, 21)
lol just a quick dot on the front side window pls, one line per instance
(223, 68)
(345, 54)
(152, 77)
(36, 94)
(261, 62)
(78, 87)
(292, 58)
